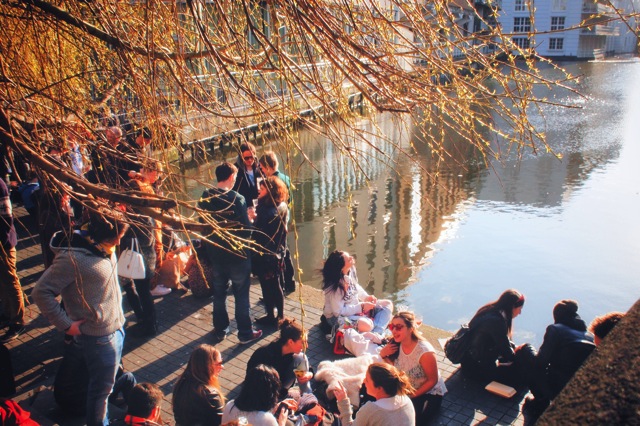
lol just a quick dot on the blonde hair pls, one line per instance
(390, 379)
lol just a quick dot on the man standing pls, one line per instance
(10, 289)
(84, 273)
(229, 260)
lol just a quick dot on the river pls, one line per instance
(443, 244)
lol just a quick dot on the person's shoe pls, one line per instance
(142, 330)
(290, 287)
(254, 336)
(534, 406)
(266, 320)
(160, 290)
(15, 330)
(219, 336)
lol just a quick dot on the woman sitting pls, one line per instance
(344, 297)
(491, 354)
(258, 399)
(408, 351)
(271, 236)
(287, 357)
(197, 397)
(390, 387)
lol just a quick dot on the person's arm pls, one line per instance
(497, 329)
(429, 365)
(338, 307)
(344, 405)
(215, 408)
(47, 289)
(546, 349)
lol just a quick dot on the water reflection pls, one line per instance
(444, 235)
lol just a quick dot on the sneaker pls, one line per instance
(160, 290)
(254, 336)
(219, 336)
(266, 320)
(15, 330)
(142, 330)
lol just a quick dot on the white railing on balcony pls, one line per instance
(600, 30)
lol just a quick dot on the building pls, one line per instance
(566, 29)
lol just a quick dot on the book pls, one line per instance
(500, 389)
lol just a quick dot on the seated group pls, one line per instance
(398, 383)
(401, 382)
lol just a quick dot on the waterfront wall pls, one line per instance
(606, 390)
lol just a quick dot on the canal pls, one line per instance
(444, 243)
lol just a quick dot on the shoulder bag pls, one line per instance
(457, 345)
(131, 262)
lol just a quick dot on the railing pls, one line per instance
(600, 30)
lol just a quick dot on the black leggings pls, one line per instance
(427, 407)
(270, 273)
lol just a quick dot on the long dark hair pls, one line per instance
(260, 390)
(276, 192)
(332, 271)
(289, 329)
(198, 375)
(505, 304)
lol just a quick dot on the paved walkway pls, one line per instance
(185, 322)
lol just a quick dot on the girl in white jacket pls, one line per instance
(344, 297)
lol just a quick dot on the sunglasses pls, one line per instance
(248, 158)
(398, 327)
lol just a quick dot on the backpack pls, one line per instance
(457, 345)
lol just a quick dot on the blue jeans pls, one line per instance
(238, 272)
(381, 318)
(102, 356)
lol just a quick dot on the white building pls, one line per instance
(565, 28)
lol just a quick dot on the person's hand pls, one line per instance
(74, 329)
(251, 212)
(367, 306)
(371, 299)
(389, 349)
(340, 392)
(290, 403)
(283, 416)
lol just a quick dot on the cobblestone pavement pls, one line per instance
(185, 322)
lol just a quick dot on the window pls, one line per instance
(521, 42)
(520, 5)
(559, 5)
(522, 25)
(557, 23)
(556, 43)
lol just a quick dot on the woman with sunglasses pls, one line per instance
(344, 297)
(492, 356)
(390, 388)
(408, 351)
(248, 172)
(197, 396)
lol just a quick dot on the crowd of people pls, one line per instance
(80, 294)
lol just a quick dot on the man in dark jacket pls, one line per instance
(143, 406)
(229, 261)
(566, 345)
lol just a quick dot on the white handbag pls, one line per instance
(131, 262)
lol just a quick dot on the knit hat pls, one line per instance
(564, 310)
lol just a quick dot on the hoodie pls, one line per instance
(87, 280)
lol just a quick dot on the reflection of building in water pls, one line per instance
(387, 223)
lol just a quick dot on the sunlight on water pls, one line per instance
(446, 243)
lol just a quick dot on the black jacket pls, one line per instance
(490, 339)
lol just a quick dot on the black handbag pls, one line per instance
(457, 345)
